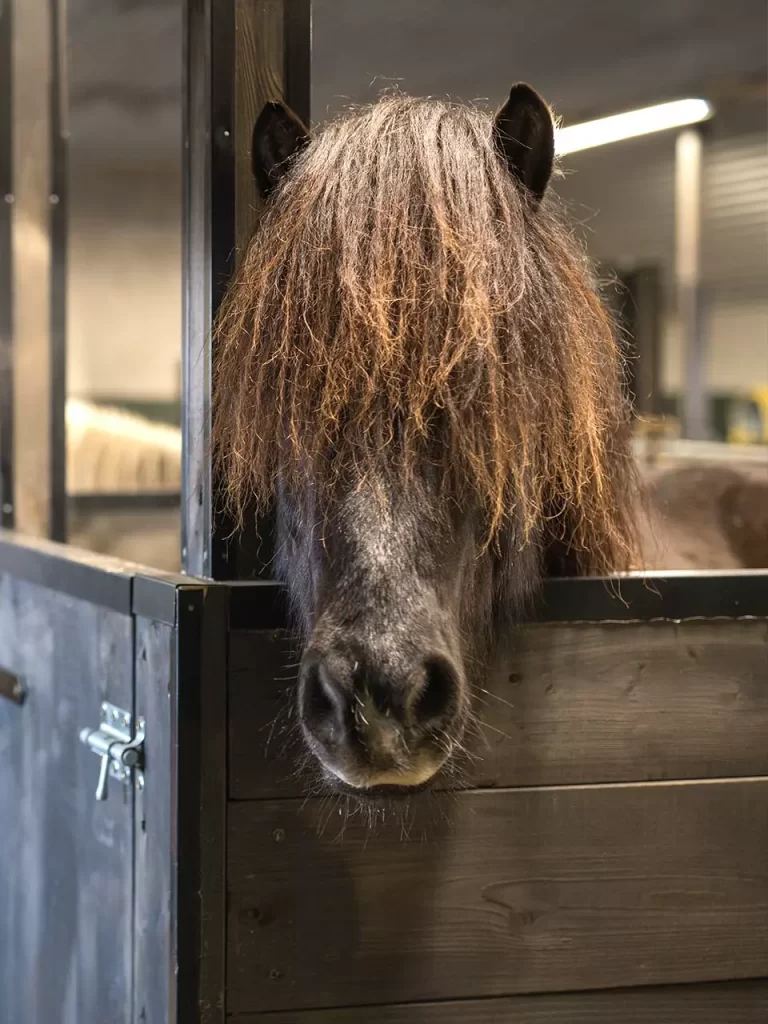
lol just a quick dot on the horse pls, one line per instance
(414, 367)
(708, 516)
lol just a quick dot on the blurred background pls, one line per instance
(109, 234)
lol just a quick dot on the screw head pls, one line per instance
(279, 835)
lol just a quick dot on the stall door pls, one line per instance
(66, 857)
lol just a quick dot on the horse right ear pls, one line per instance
(524, 134)
(278, 136)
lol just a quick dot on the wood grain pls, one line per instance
(154, 930)
(497, 893)
(181, 813)
(66, 873)
(568, 704)
(258, 79)
(724, 1003)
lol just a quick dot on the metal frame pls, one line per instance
(6, 267)
(58, 282)
(208, 234)
(211, 139)
(86, 502)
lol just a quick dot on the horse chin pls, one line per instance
(379, 786)
(379, 795)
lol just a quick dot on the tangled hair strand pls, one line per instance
(402, 300)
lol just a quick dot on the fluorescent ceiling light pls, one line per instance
(630, 125)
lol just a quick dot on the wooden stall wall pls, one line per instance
(66, 860)
(111, 910)
(613, 834)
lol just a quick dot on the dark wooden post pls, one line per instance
(640, 306)
(238, 55)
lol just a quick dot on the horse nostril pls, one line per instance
(438, 695)
(323, 701)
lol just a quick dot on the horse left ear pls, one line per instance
(278, 136)
(524, 134)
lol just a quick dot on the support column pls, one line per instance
(239, 54)
(688, 163)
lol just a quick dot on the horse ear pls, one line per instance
(278, 136)
(525, 137)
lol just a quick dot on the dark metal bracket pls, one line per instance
(11, 687)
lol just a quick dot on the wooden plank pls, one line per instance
(607, 702)
(181, 814)
(258, 79)
(497, 893)
(66, 871)
(202, 652)
(723, 1003)
(33, 380)
(155, 939)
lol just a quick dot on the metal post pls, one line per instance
(639, 310)
(688, 163)
(58, 200)
(6, 268)
(238, 55)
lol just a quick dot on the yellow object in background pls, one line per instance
(750, 424)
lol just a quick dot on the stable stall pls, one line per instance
(161, 861)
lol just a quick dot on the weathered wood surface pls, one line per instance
(497, 893)
(33, 378)
(202, 799)
(66, 879)
(154, 937)
(181, 813)
(569, 704)
(258, 79)
(724, 1003)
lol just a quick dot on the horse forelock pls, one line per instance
(403, 304)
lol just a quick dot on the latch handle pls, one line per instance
(121, 755)
(101, 785)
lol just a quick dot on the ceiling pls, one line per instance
(586, 57)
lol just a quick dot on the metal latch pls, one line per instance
(121, 751)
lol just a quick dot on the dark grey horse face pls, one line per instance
(394, 597)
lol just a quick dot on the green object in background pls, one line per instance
(735, 418)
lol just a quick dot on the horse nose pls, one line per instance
(365, 722)
(325, 704)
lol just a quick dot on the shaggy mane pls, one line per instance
(402, 301)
